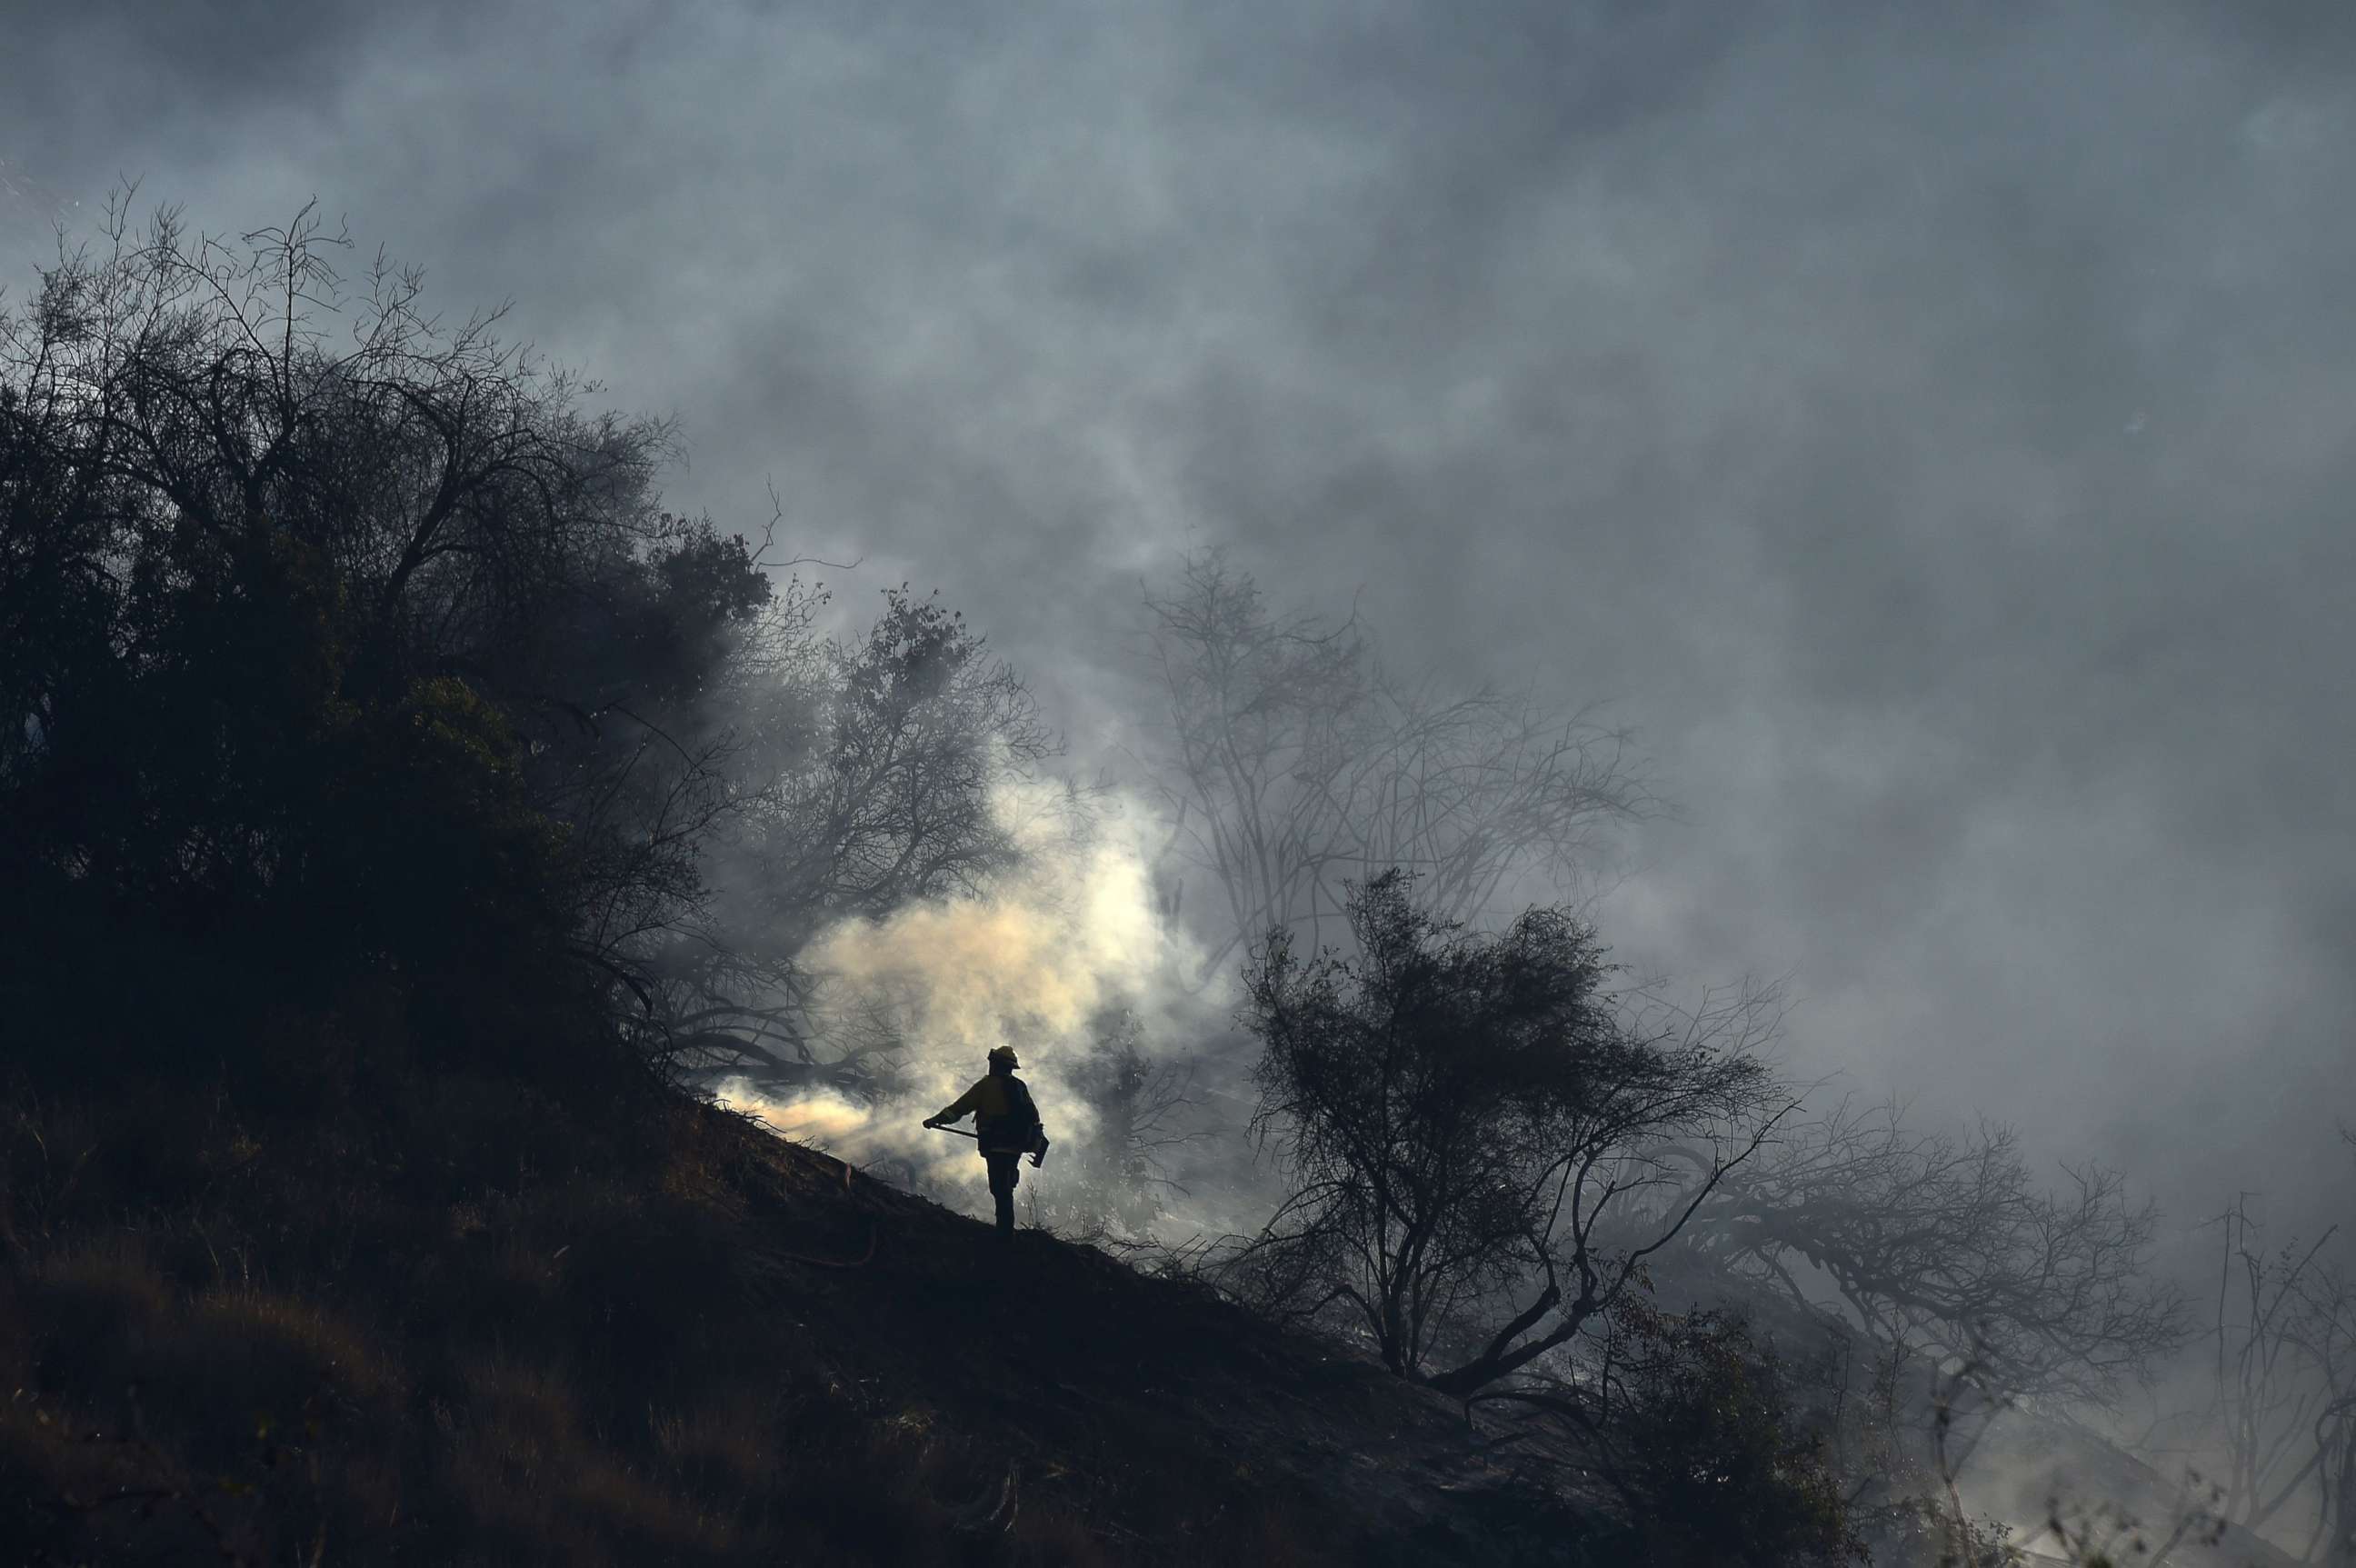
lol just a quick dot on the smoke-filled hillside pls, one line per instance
(1584, 758)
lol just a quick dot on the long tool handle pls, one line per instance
(1038, 1155)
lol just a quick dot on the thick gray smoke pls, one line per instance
(1930, 424)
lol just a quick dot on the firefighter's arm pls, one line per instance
(957, 1111)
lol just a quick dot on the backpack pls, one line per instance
(1017, 1127)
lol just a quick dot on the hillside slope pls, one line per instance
(469, 1328)
(1127, 1395)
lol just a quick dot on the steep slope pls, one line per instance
(1135, 1400)
(470, 1328)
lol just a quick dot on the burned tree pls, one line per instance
(1298, 762)
(1466, 1119)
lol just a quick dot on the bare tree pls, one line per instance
(198, 391)
(1466, 1118)
(1932, 1250)
(2283, 1376)
(863, 779)
(1117, 1178)
(1947, 1245)
(895, 802)
(1296, 763)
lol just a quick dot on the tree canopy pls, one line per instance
(1466, 1118)
(343, 648)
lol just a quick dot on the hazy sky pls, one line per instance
(1930, 424)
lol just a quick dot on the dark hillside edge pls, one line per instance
(520, 1340)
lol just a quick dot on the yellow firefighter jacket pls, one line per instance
(1003, 1114)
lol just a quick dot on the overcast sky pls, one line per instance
(1930, 424)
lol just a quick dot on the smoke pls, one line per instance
(824, 1117)
(1039, 961)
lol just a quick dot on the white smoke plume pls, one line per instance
(1032, 963)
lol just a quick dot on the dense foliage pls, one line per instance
(350, 663)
